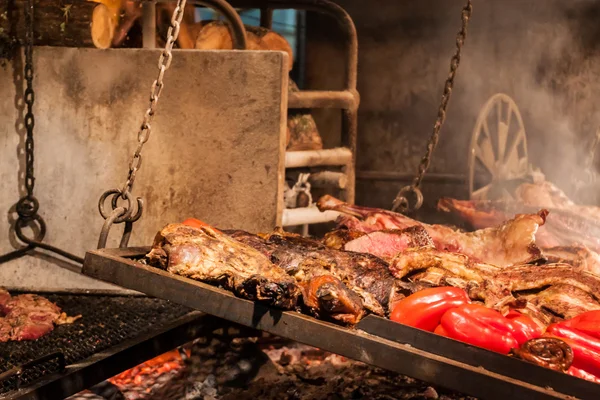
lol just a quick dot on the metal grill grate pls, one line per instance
(106, 321)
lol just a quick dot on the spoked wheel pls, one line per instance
(498, 150)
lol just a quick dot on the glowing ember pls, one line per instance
(151, 369)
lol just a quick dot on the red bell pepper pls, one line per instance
(579, 373)
(439, 330)
(425, 308)
(524, 328)
(479, 328)
(196, 223)
(588, 323)
(585, 358)
(562, 331)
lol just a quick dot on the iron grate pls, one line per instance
(106, 321)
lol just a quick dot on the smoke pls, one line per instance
(546, 56)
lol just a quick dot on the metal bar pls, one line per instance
(403, 177)
(266, 18)
(318, 158)
(149, 24)
(323, 99)
(120, 358)
(405, 359)
(307, 215)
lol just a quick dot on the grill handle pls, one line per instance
(19, 370)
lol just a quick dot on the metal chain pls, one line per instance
(401, 202)
(27, 207)
(133, 210)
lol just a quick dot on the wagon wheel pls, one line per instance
(498, 150)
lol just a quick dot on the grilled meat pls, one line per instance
(500, 289)
(28, 316)
(564, 301)
(451, 265)
(386, 244)
(209, 256)
(364, 274)
(563, 227)
(327, 297)
(336, 239)
(510, 243)
(577, 256)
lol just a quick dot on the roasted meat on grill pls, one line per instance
(563, 301)
(501, 288)
(387, 244)
(564, 227)
(365, 275)
(28, 316)
(508, 244)
(336, 239)
(207, 255)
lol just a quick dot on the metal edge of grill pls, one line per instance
(376, 341)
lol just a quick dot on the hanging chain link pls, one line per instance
(27, 207)
(132, 211)
(401, 203)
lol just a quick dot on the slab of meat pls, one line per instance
(563, 227)
(563, 301)
(500, 289)
(387, 244)
(510, 243)
(577, 256)
(363, 274)
(439, 267)
(207, 255)
(27, 316)
(337, 238)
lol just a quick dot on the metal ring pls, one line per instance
(27, 207)
(116, 193)
(401, 202)
(21, 223)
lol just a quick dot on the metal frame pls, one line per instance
(376, 341)
(117, 359)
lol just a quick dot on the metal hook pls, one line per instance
(401, 202)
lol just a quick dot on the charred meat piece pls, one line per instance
(26, 316)
(508, 244)
(577, 256)
(327, 297)
(453, 265)
(500, 289)
(206, 255)
(387, 244)
(364, 274)
(564, 301)
(336, 239)
(563, 227)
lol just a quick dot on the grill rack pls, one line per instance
(375, 341)
(116, 332)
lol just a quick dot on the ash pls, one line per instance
(272, 368)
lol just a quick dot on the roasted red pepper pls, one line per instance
(425, 308)
(439, 330)
(524, 328)
(579, 373)
(479, 326)
(562, 331)
(588, 323)
(584, 357)
(196, 223)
